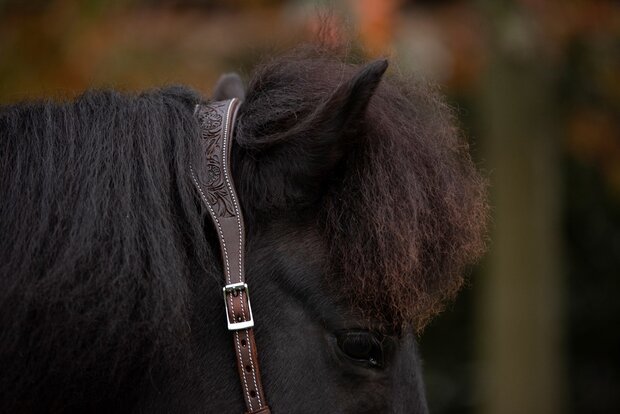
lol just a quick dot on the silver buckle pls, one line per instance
(238, 287)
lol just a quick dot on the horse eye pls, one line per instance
(361, 346)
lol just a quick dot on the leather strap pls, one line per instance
(213, 180)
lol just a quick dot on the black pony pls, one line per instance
(362, 209)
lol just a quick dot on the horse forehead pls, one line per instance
(289, 255)
(292, 245)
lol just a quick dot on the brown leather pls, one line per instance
(213, 180)
(261, 411)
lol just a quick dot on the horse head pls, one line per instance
(362, 209)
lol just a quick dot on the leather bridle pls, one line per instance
(214, 183)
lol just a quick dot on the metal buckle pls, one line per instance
(238, 287)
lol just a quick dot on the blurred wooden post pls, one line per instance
(520, 311)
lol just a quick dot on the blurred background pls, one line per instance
(536, 87)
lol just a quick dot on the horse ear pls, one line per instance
(349, 101)
(292, 169)
(325, 135)
(333, 125)
(229, 86)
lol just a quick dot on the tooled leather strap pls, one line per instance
(214, 183)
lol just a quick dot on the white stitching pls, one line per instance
(245, 383)
(219, 229)
(232, 194)
(228, 275)
(238, 216)
(217, 222)
(247, 336)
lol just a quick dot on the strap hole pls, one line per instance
(235, 293)
(248, 368)
(239, 318)
(243, 343)
(253, 394)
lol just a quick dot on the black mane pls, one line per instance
(98, 225)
